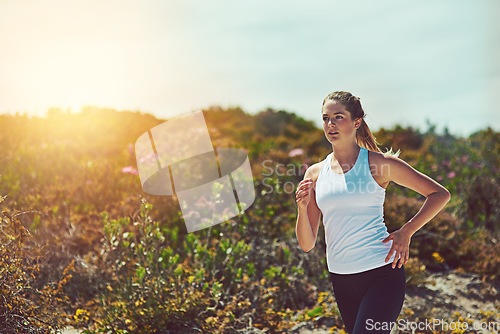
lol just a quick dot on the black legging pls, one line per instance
(370, 301)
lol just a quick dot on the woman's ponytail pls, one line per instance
(364, 137)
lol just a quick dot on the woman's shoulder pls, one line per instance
(380, 158)
(313, 171)
(383, 165)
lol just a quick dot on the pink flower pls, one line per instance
(439, 178)
(451, 175)
(150, 158)
(129, 170)
(295, 151)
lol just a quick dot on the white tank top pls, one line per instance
(353, 217)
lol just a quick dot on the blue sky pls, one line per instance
(408, 61)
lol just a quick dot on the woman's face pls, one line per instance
(337, 122)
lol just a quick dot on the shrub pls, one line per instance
(23, 308)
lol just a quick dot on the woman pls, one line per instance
(348, 189)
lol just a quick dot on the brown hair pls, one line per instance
(364, 136)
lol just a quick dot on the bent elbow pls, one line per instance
(446, 195)
(307, 249)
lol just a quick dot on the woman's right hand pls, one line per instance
(303, 191)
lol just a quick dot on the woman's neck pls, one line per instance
(345, 154)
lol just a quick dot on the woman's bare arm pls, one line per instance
(309, 215)
(436, 195)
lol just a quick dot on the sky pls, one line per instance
(410, 62)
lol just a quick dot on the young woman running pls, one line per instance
(348, 189)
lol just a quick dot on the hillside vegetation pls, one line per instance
(81, 244)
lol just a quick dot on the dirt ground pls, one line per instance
(449, 299)
(446, 299)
